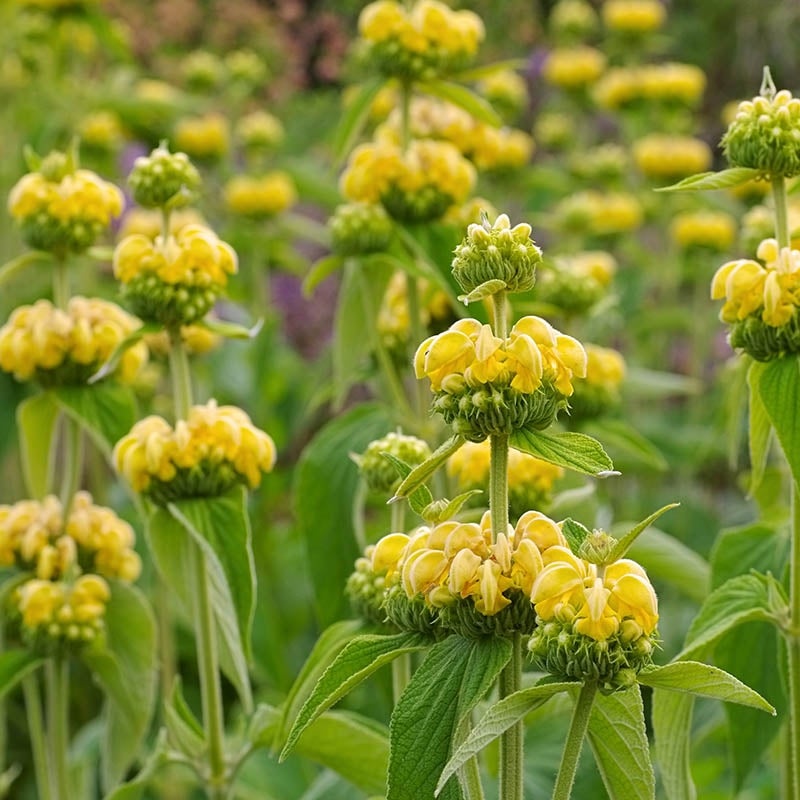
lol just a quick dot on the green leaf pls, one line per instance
(160, 756)
(641, 382)
(575, 533)
(706, 181)
(184, 731)
(464, 98)
(570, 450)
(779, 386)
(474, 74)
(12, 268)
(486, 289)
(421, 497)
(230, 330)
(14, 666)
(454, 676)
(630, 537)
(175, 551)
(435, 513)
(129, 341)
(618, 740)
(759, 428)
(672, 727)
(625, 444)
(703, 680)
(497, 720)
(325, 650)
(325, 478)
(126, 669)
(423, 471)
(322, 268)
(106, 411)
(359, 658)
(221, 526)
(355, 117)
(759, 546)
(37, 418)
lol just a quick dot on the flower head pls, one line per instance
(163, 178)
(713, 230)
(633, 16)
(260, 197)
(380, 473)
(668, 157)
(205, 138)
(573, 67)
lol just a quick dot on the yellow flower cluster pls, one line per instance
(101, 130)
(506, 90)
(67, 213)
(455, 560)
(770, 290)
(194, 256)
(595, 264)
(61, 611)
(417, 184)
(665, 156)
(671, 83)
(56, 346)
(600, 213)
(486, 146)
(573, 67)
(259, 130)
(605, 367)
(394, 321)
(206, 137)
(633, 16)
(421, 40)
(712, 229)
(469, 354)
(148, 221)
(33, 536)
(205, 454)
(263, 196)
(598, 602)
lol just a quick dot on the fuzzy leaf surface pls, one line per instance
(574, 451)
(423, 471)
(707, 181)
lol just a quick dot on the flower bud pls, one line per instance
(359, 229)
(379, 472)
(163, 179)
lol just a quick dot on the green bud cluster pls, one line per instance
(170, 304)
(597, 548)
(764, 342)
(206, 479)
(498, 410)
(426, 204)
(573, 20)
(394, 60)
(366, 590)
(463, 618)
(765, 135)
(612, 662)
(54, 235)
(412, 613)
(163, 179)
(379, 473)
(359, 229)
(497, 252)
(570, 293)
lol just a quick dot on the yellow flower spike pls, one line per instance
(492, 600)
(596, 618)
(525, 361)
(388, 552)
(464, 573)
(526, 565)
(424, 570)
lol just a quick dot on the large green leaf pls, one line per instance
(501, 716)
(14, 666)
(106, 411)
(325, 484)
(759, 428)
(759, 546)
(126, 669)
(779, 386)
(175, 552)
(221, 526)
(706, 181)
(618, 740)
(625, 444)
(454, 676)
(37, 419)
(325, 650)
(672, 726)
(573, 451)
(359, 658)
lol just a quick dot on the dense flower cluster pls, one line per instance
(574, 283)
(360, 229)
(260, 196)
(599, 392)
(667, 157)
(206, 454)
(63, 210)
(633, 16)
(66, 346)
(414, 185)
(572, 20)
(205, 138)
(506, 91)
(174, 280)
(163, 178)
(669, 83)
(600, 213)
(259, 130)
(420, 42)
(573, 67)
(34, 536)
(486, 385)
(379, 473)
(394, 318)
(530, 480)
(715, 230)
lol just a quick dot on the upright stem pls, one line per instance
(72, 440)
(498, 484)
(61, 290)
(572, 747)
(511, 742)
(181, 375)
(500, 314)
(781, 210)
(470, 773)
(401, 666)
(33, 711)
(793, 647)
(57, 691)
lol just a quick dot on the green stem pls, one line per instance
(181, 375)
(398, 518)
(500, 314)
(417, 335)
(498, 484)
(406, 92)
(72, 453)
(33, 711)
(511, 742)
(781, 211)
(57, 692)
(470, 774)
(210, 688)
(572, 747)
(166, 640)
(61, 290)
(793, 646)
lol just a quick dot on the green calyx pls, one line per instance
(463, 618)
(206, 479)
(766, 342)
(412, 614)
(379, 472)
(426, 204)
(366, 590)
(163, 179)
(170, 304)
(358, 229)
(43, 232)
(571, 294)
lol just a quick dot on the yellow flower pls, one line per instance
(604, 367)
(633, 16)
(38, 601)
(573, 67)
(443, 355)
(205, 137)
(630, 594)
(260, 130)
(713, 229)
(102, 130)
(600, 213)
(262, 196)
(664, 156)
(539, 529)
(670, 83)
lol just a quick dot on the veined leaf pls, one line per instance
(231, 330)
(359, 658)
(486, 289)
(618, 740)
(421, 497)
(672, 726)
(706, 181)
(503, 715)
(37, 419)
(321, 269)
(454, 676)
(625, 444)
(759, 428)
(779, 386)
(569, 450)
(575, 533)
(423, 471)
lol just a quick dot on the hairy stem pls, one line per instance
(57, 698)
(572, 747)
(36, 734)
(61, 288)
(781, 211)
(511, 742)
